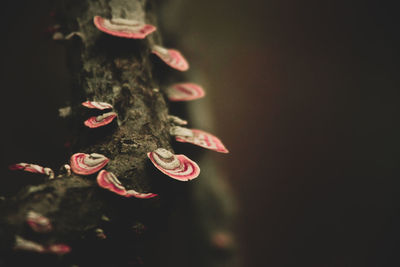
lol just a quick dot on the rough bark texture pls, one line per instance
(175, 228)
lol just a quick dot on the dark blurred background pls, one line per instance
(303, 94)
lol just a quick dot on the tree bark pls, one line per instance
(174, 229)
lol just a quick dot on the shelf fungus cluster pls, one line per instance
(101, 120)
(87, 164)
(176, 166)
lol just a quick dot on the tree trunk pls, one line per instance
(188, 224)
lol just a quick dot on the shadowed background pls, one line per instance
(303, 94)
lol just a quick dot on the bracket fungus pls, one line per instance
(33, 168)
(98, 121)
(97, 105)
(27, 245)
(86, 164)
(171, 57)
(38, 222)
(176, 120)
(108, 180)
(178, 167)
(23, 244)
(185, 92)
(58, 249)
(199, 138)
(125, 28)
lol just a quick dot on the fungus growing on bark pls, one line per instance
(33, 168)
(125, 28)
(98, 121)
(108, 180)
(86, 164)
(185, 92)
(65, 170)
(171, 57)
(59, 249)
(38, 222)
(176, 120)
(27, 245)
(100, 233)
(178, 167)
(97, 105)
(23, 244)
(199, 138)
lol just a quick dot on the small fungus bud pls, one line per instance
(171, 57)
(178, 167)
(105, 218)
(97, 105)
(185, 92)
(38, 222)
(49, 172)
(58, 36)
(100, 233)
(86, 164)
(108, 180)
(98, 121)
(125, 28)
(176, 120)
(199, 138)
(65, 170)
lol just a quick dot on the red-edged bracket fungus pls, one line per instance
(176, 120)
(86, 164)
(27, 245)
(171, 57)
(184, 92)
(38, 222)
(58, 249)
(33, 168)
(97, 105)
(125, 28)
(108, 180)
(178, 167)
(199, 138)
(98, 121)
